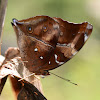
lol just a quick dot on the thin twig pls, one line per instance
(3, 6)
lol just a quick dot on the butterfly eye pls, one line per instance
(29, 29)
(45, 29)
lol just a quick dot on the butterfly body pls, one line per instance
(46, 43)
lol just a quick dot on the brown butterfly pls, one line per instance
(47, 43)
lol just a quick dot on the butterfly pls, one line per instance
(46, 43)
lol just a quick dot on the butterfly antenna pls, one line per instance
(63, 78)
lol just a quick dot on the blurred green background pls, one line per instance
(83, 69)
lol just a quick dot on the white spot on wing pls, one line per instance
(49, 62)
(61, 33)
(89, 26)
(61, 44)
(55, 26)
(59, 63)
(41, 57)
(55, 57)
(85, 37)
(35, 49)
